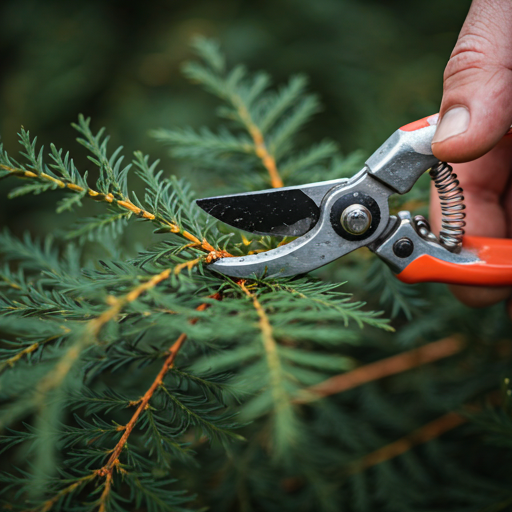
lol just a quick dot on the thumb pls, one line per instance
(476, 110)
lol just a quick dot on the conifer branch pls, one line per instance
(94, 326)
(382, 368)
(260, 147)
(124, 204)
(113, 461)
(281, 397)
(142, 404)
(422, 435)
(50, 503)
(11, 361)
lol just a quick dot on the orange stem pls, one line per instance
(422, 435)
(113, 461)
(383, 368)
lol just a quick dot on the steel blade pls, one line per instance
(290, 211)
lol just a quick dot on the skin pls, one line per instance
(479, 77)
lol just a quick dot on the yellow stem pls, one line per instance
(270, 345)
(124, 203)
(260, 148)
(48, 505)
(31, 348)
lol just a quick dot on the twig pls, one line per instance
(269, 343)
(113, 461)
(105, 493)
(123, 203)
(260, 148)
(383, 368)
(31, 348)
(48, 505)
(421, 435)
(107, 471)
(94, 326)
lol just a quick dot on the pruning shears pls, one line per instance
(333, 218)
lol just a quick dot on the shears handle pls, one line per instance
(494, 269)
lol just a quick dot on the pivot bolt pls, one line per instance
(356, 219)
(403, 248)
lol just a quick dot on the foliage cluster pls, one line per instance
(144, 381)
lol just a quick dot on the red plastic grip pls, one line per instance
(494, 269)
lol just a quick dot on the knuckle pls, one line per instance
(472, 52)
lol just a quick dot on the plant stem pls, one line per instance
(383, 368)
(113, 461)
(123, 203)
(280, 395)
(421, 435)
(260, 148)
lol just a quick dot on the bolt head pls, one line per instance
(403, 247)
(356, 219)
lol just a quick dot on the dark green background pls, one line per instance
(376, 65)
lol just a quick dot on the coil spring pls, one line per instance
(452, 206)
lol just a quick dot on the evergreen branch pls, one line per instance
(260, 147)
(281, 398)
(124, 204)
(80, 482)
(322, 296)
(230, 88)
(74, 183)
(422, 435)
(106, 471)
(113, 461)
(94, 326)
(382, 368)
(11, 361)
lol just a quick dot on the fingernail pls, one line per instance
(454, 122)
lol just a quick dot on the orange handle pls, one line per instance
(494, 269)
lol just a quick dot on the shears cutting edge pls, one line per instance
(333, 218)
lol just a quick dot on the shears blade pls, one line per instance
(290, 211)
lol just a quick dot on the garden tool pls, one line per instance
(333, 218)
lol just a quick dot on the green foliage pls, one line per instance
(262, 120)
(136, 379)
(399, 297)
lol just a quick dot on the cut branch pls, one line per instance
(384, 368)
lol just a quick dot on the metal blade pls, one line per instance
(290, 211)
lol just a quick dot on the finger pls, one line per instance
(485, 182)
(476, 109)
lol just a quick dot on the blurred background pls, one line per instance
(375, 64)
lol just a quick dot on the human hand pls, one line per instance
(476, 111)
